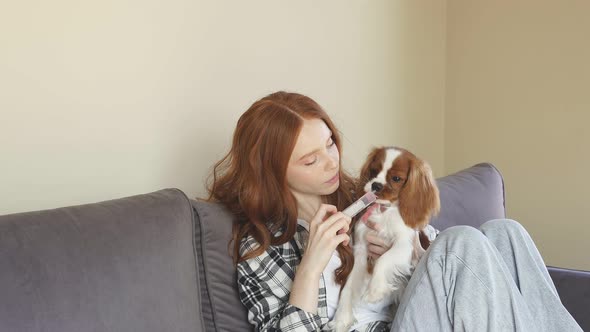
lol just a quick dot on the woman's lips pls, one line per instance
(334, 179)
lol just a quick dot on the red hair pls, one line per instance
(250, 180)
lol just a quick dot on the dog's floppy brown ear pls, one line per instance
(419, 197)
(373, 164)
(364, 176)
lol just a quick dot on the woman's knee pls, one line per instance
(510, 226)
(461, 235)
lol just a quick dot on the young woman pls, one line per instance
(284, 183)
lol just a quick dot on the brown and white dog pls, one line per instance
(407, 198)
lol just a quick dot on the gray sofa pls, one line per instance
(160, 262)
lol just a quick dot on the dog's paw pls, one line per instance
(331, 326)
(343, 317)
(338, 325)
(342, 320)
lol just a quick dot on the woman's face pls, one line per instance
(314, 164)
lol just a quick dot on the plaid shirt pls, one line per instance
(264, 285)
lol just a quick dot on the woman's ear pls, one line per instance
(419, 197)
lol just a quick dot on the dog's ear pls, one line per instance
(419, 197)
(372, 166)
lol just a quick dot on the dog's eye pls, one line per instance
(396, 179)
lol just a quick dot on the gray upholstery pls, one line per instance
(222, 309)
(121, 265)
(470, 197)
(160, 262)
(573, 287)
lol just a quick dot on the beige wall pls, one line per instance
(518, 95)
(104, 99)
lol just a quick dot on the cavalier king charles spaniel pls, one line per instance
(407, 197)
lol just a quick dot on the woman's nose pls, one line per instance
(332, 162)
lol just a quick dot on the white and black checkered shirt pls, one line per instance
(264, 285)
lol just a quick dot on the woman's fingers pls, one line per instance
(344, 231)
(372, 225)
(342, 238)
(333, 227)
(376, 245)
(321, 214)
(339, 226)
(375, 239)
(338, 218)
(377, 250)
(323, 211)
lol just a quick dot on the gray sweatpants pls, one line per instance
(492, 279)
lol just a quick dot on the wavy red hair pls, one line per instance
(250, 180)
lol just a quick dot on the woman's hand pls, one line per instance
(376, 246)
(325, 234)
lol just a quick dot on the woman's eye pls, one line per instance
(311, 163)
(396, 179)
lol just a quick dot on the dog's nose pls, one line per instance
(376, 186)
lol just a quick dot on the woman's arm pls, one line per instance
(325, 234)
(274, 294)
(304, 291)
(264, 285)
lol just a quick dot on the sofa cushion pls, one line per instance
(470, 197)
(573, 287)
(221, 306)
(120, 265)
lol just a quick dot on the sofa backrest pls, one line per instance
(220, 303)
(121, 265)
(468, 197)
(157, 261)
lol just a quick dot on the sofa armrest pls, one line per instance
(573, 287)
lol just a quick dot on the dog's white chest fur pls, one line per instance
(406, 182)
(391, 223)
(391, 271)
